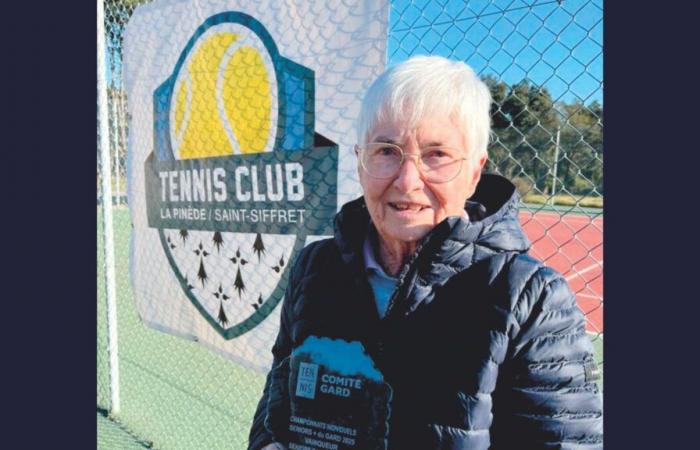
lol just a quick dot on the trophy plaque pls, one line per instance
(329, 395)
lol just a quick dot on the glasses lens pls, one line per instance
(381, 160)
(437, 164)
(441, 164)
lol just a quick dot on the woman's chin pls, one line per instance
(408, 233)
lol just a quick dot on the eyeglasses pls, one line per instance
(437, 164)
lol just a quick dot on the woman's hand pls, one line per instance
(274, 446)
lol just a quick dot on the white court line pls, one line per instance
(580, 222)
(587, 269)
(596, 297)
(554, 215)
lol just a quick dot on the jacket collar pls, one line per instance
(451, 247)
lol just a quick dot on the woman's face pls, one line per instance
(405, 208)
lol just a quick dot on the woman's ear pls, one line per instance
(476, 176)
(482, 161)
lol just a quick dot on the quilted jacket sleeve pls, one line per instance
(546, 397)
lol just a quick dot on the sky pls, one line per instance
(555, 44)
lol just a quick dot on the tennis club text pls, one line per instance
(272, 182)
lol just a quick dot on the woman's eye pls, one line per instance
(387, 152)
(436, 153)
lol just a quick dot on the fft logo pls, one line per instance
(238, 177)
(306, 381)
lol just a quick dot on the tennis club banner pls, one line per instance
(241, 129)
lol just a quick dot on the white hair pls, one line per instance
(425, 86)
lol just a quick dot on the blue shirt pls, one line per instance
(382, 284)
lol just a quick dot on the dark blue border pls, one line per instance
(49, 224)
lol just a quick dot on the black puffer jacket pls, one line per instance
(484, 346)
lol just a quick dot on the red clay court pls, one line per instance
(573, 245)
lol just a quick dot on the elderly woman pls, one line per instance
(482, 345)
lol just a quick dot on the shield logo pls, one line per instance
(238, 178)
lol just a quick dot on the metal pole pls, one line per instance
(554, 170)
(114, 137)
(108, 236)
(122, 129)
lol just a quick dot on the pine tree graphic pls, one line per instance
(218, 240)
(238, 284)
(222, 315)
(202, 274)
(258, 246)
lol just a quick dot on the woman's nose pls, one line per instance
(409, 176)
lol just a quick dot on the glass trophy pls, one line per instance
(329, 395)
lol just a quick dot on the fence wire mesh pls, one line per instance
(543, 63)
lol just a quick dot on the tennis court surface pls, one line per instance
(573, 245)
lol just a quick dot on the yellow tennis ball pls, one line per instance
(246, 97)
(223, 98)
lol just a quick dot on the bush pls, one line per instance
(523, 185)
(581, 186)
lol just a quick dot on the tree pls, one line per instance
(117, 15)
(258, 246)
(524, 123)
(238, 283)
(581, 169)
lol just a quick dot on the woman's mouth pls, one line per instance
(404, 206)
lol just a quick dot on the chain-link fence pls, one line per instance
(543, 63)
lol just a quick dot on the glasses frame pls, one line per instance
(420, 166)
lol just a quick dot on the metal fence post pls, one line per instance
(114, 138)
(108, 235)
(554, 168)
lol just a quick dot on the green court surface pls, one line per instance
(174, 393)
(597, 340)
(110, 435)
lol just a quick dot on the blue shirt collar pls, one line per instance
(368, 250)
(369, 255)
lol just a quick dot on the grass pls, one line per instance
(118, 188)
(597, 340)
(564, 200)
(112, 436)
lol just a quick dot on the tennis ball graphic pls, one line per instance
(225, 100)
